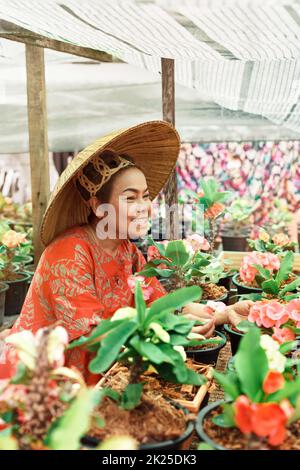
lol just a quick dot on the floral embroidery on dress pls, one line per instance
(78, 284)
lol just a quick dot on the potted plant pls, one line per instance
(44, 405)
(237, 224)
(248, 279)
(10, 273)
(181, 263)
(278, 289)
(211, 199)
(277, 243)
(139, 338)
(262, 408)
(279, 218)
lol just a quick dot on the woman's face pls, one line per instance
(130, 205)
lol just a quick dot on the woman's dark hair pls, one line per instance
(92, 174)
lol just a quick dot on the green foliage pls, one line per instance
(211, 193)
(70, 428)
(147, 338)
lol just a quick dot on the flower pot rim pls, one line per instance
(215, 348)
(198, 424)
(25, 277)
(227, 327)
(3, 286)
(26, 259)
(237, 283)
(218, 299)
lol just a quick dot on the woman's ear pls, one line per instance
(96, 207)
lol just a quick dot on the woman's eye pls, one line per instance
(146, 196)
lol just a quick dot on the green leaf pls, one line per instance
(171, 302)
(204, 446)
(131, 397)
(244, 326)
(140, 304)
(110, 347)
(289, 390)
(222, 421)
(265, 273)
(101, 329)
(156, 272)
(288, 346)
(286, 267)
(75, 422)
(8, 443)
(150, 351)
(270, 287)
(20, 375)
(251, 364)
(291, 286)
(228, 383)
(177, 252)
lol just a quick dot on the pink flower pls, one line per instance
(146, 288)
(268, 314)
(198, 243)
(293, 309)
(212, 307)
(282, 335)
(266, 260)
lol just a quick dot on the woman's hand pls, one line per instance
(239, 311)
(198, 312)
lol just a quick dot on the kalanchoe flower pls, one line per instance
(12, 239)
(276, 360)
(146, 288)
(248, 270)
(26, 344)
(274, 381)
(198, 242)
(293, 309)
(282, 335)
(268, 314)
(263, 419)
(264, 236)
(281, 239)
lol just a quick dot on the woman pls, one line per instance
(101, 200)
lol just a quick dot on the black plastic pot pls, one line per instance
(233, 243)
(165, 445)
(242, 289)
(226, 281)
(16, 294)
(204, 414)
(234, 338)
(208, 356)
(3, 289)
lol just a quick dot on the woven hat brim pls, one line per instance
(154, 147)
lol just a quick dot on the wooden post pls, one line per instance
(168, 108)
(38, 140)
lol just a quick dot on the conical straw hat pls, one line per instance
(153, 146)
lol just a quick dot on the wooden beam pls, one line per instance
(18, 34)
(38, 140)
(168, 109)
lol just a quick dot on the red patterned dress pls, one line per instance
(78, 284)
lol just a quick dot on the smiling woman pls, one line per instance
(102, 199)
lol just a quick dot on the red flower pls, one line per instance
(214, 211)
(269, 420)
(273, 381)
(243, 414)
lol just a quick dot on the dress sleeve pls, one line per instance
(64, 290)
(158, 290)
